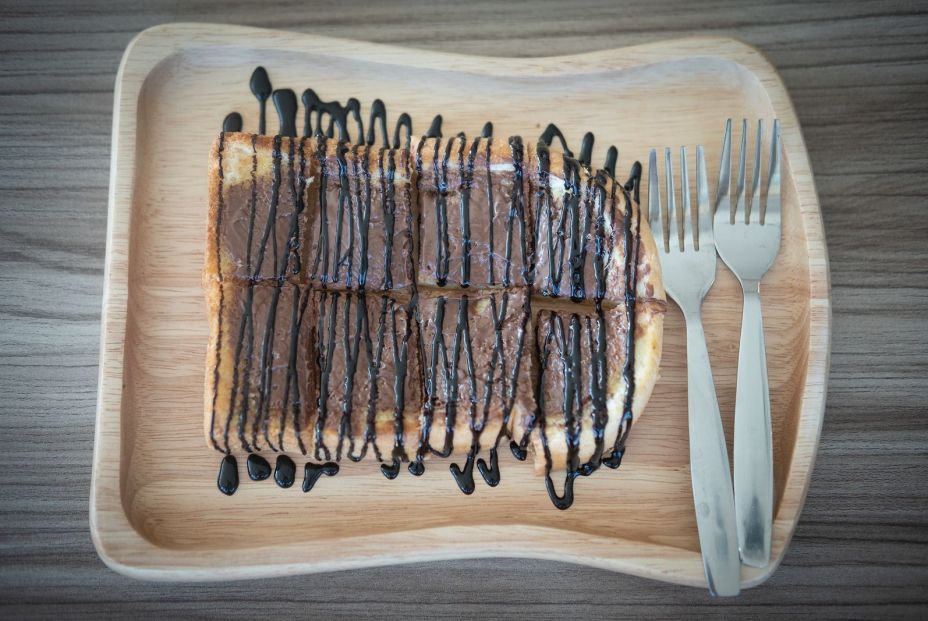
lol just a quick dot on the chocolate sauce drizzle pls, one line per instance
(232, 123)
(559, 339)
(258, 468)
(312, 472)
(228, 475)
(284, 472)
(261, 88)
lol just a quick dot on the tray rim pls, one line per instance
(124, 549)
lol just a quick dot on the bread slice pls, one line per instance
(259, 380)
(475, 227)
(563, 247)
(257, 216)
(477, 373)
(360, 217)
(366, 367)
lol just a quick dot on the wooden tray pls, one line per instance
(155, 512)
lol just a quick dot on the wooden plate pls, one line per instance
(155, 512)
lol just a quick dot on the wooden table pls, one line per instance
(858, 73)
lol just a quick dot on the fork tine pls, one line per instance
(673, 238)
(739, 195)
(703, 223)
(687, 216)
(654, 201)
(724, 188)
(773, 178)
(755, 185)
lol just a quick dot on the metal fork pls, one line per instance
(748, 239)
(688, 265)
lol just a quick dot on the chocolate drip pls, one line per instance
(435, 128)
(337, 116)
(392, 470)
(312, 473)
(465, 477)
(284, 471)
(258, 468)
(551, 132)
(285, 102)
(378, 117)
(261, 88)
(403, 122)
(586, 150)
(354, 108)
(232, 122)
(228, 475)
(612, 154)
(490, 473)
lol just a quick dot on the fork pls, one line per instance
(688, 265)
(748, 243)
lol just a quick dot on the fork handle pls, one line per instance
(753, 443)
(712, 489)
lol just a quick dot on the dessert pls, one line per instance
(402, 304)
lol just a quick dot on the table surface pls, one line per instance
(858, 74)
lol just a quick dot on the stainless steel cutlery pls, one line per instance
(733, 521)
(748, 239)
(688, 268)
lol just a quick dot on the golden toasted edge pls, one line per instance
(212, 346)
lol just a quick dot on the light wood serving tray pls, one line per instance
(155, 512)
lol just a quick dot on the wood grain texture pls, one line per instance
(858, 75)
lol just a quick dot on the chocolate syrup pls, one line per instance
(284, 472)
(285, 102)
(312, 472)
(261, 89)
(228, 475)
(258, 468)
(232, 123)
